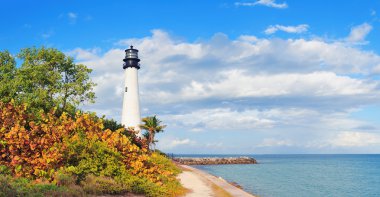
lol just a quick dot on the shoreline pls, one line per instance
(201, 180)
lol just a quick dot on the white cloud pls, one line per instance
(248, 38)
(240, 84)
(252, 119)
(270, 142)
(376, 69)
(215, 145)
(221, 118)
(85, 54)
(289, 29)
(358, 33)
(355, 139)
(291, 90)
(109, 62)
(170, 143)
(72, 15)
(175, 71)
(268, 3)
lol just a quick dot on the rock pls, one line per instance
(215, 160)
(236, 185)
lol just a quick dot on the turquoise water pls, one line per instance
(305, 175)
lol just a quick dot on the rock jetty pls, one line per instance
(215, 160)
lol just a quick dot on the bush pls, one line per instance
(4, 170)
(142, 186)
(59, 153)
(63, 178)
(6, 189)
(10, 187)
(92, 157)
(101, 185)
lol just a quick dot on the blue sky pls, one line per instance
(265, 76)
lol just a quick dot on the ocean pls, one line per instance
(303, 175)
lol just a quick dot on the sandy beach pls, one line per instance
(201, 184)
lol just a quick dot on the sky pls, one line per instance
(226, 77)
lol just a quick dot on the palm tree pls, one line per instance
(150, 139)
(151, 125)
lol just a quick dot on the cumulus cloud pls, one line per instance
(270, 142)
(376, 69)
(268, 3)
(175, 71)
(170, 143)
(289, 29)
(221, 118)
(240, 84)
(273, 86)
(85, 54)
(358, 33)
(253, 119)
(355, 139)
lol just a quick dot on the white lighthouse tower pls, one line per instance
(131, 105)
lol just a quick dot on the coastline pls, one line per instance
(199, 182)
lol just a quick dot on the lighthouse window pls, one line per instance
(126, 89)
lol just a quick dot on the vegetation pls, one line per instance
(49, 148)
(68, 152)
(152, 125)
(46, 79)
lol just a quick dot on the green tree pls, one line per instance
(151, 125)
(111, 124)
(7, 76)
(47, 78)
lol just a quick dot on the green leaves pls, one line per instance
(152, 125)
(45, 79)
(7, 75)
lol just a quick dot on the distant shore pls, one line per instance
(214, 160)
(200, 183)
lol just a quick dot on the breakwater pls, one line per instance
(215, 160)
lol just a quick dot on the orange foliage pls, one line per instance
(28, 148)
(35, 147)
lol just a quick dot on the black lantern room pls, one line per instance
(131, 58)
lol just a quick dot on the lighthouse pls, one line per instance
(131, 105)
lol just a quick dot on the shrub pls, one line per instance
(6, 189)
(143, 186)
(92, 157)
(60, 152)
(62, 178)
(10, 186)
(4, 170)
(101, 185)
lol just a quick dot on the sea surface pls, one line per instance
(303, 175)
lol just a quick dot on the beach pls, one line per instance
(200, 183)
(304, 175)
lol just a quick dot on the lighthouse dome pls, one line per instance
(131, 53)
(131, 58)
